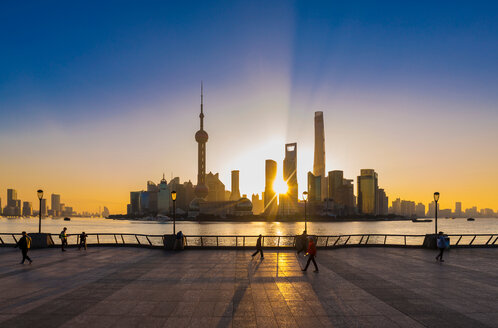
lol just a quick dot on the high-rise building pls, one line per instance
(367, 191)
(319, 155)
(431, 212)
(216, 188)
(163, 197)
(382, 202)
(144, 202)
(458, 209)
(56, 204)
(270, 198)
(105, 212)
(135, 203)
(153, 191)
(314, 188)
(201, 137)
(43, 207)
(290, 170)
(27, 209)
(335, 186)
(420, 210)
(257, 204)
(11, 197)
(235, 195)
(407, 208)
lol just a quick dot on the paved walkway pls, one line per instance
(356, 287)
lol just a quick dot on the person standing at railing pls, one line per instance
(82, 241)
(259, 248)
(63, 237)
(301, 242)
(442, 244)
(24, 244)
(311, 253)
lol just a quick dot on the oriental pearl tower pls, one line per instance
(201, 136)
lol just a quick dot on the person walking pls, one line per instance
(63, 237)
(311, 253)
(82, 241)
(301, 242)
(441, 245)
(24, 244)
(259, 249)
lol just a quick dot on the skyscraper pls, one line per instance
(201, 136)
(56, 204)
(27, 209)
(216, 188)
(290, 170)
(319, 158)
(458, 209)
(163, 197)
(235, 195)
(383, 202)
(270, 198)
(335, 186)
(368, 186)
(11, 197)
(314, 188)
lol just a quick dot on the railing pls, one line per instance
(235, 241)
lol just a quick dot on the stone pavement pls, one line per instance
(356, 287)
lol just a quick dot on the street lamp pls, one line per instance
(173, 197)
(436, 199)
(305, 198)
(40, 197)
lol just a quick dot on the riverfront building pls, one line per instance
(368, 186)
(319, 154)
(270, 198)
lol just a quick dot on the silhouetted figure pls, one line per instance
(82, 241)
(301, 242)
(24, 244)
(311, 253)
(441, 245)
(259, 249)
(179, 242)
(63, 237)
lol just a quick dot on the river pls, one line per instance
(89, 225)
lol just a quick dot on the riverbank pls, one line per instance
(260, 218)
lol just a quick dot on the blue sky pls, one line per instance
(107, 77)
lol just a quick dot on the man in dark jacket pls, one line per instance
(259, 249)
(63, 237)
(24, 244)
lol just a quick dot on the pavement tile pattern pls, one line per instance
(356, 287)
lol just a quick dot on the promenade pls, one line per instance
(356, 287)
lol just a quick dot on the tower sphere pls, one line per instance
(201, 136)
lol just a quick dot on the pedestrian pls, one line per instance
(311, 253)
(24, 244)
(63, 237)
(259, 249)
(301, 242)
(441, 245)
(82, 241)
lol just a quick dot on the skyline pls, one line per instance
(93, 110)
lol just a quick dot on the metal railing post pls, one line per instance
(405, 240)
(138, 241)
(115, 239)
(472, 240)
(98, 240)
(458, 240)
(327, 241)
(122, 239)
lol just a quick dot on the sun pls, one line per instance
(280, 187)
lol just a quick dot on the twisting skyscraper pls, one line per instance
(201, 136)
(319, 158)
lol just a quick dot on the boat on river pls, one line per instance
(421, 220)
(471, 219)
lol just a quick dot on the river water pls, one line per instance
(92, 225)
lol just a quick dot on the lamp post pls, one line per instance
(305, 198)
(173, 197)
(40, 197)
(436, 199)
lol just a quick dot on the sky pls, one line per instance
(98, 97)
